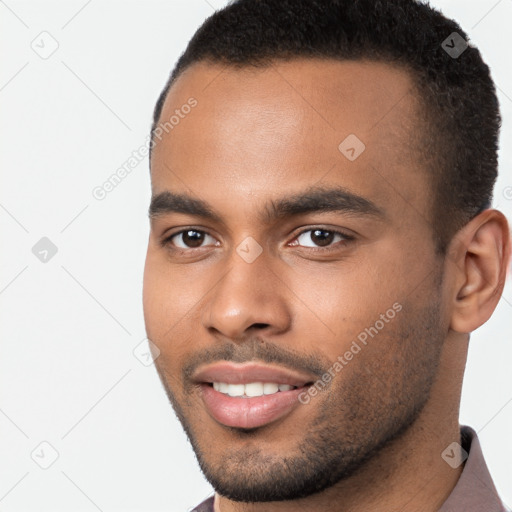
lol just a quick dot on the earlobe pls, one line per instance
(481, 254)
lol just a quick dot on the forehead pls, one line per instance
(257, 131)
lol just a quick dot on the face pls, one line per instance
(291, 284)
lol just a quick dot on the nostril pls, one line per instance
(260, 326)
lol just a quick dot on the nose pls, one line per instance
(249, 296)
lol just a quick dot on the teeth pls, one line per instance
(236, 389)
(254, 389)
(251, 389)
(269, 388)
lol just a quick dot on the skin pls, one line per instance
(372, 439)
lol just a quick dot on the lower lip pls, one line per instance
(249, 412)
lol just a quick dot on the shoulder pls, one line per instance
(205, 506)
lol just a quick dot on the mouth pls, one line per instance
(250, 395)
(251, 389)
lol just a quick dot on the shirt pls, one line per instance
(474, 491)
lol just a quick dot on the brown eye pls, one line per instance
(189, 239)
(322, 237)
(319, 237)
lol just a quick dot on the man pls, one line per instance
(321, 246)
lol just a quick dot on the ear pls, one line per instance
(481, 253)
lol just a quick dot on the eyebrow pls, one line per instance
(314, 199)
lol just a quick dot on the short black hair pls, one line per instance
(459, 99)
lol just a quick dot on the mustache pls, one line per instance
(256, 349)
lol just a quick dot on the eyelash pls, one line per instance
(166, 242)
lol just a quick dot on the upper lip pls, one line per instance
(236, 373)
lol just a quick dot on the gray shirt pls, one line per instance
(474, 491)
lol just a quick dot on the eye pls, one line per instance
(320, 237)
(188, 239)
(315, 238)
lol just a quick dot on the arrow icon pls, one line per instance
(454, 45)
(451, 455)
(44, 250)
(351, 147)
(145, 356)
(44, 455)
(454, 455)
(45, 45)
(249, 249)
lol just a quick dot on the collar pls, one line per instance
(475, 489)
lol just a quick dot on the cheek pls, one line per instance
(170, 307)
(359, 319)
(337, 303)
(160, 298)
(152, 297)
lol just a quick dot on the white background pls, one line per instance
(69, 326)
